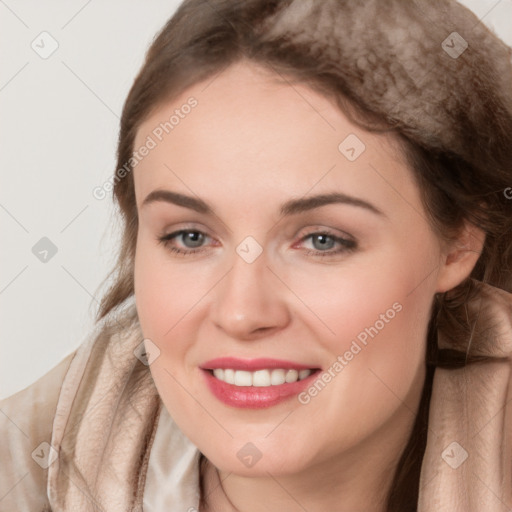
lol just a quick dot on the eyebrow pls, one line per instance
(291, 207)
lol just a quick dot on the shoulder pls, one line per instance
(26, 420)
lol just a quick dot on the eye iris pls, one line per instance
(326, 241)
(193, 239)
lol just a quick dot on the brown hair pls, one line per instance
(392, 66)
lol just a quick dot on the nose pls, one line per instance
(250, 302)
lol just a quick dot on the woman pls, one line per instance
(311, 308)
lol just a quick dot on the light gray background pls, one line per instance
(58, 132)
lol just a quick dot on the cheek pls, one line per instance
(382, 294)
(371, 317)
(165, 290)
(167, 297)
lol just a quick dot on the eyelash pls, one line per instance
(348, 245)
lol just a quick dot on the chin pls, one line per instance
(244, 458)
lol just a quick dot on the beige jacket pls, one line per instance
(92, 434)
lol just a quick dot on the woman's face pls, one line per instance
(295, 241)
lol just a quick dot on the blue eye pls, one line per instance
(191, 239)
(324, 242)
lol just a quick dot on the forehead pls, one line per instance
(248, 132)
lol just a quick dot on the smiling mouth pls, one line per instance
(261, 378)
(256, 383)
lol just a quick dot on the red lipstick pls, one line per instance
(254, 397)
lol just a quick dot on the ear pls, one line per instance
(459, 257)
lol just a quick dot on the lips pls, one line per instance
(256, 383)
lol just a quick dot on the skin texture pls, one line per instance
(248, 146)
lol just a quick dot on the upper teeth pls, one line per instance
(260, 378)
